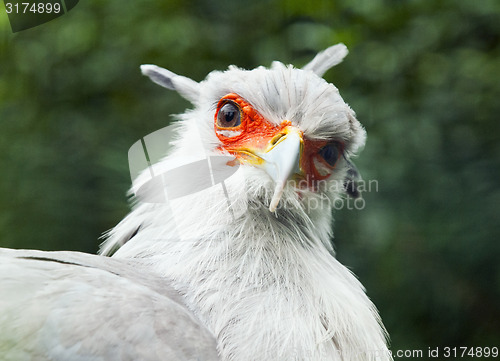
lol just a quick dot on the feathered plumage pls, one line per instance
(251, 256)
(65, 306)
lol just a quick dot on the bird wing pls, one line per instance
(76, 306)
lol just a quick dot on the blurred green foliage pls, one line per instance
(423, 77)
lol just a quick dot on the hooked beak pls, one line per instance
(282, 160)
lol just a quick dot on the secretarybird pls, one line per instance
(241, 270)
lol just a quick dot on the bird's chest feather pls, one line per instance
(272, 301)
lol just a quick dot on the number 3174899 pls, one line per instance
(31, 7)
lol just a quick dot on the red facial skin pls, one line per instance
(257, 133)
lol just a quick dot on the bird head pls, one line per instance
(287, 129)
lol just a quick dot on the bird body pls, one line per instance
(74, 306)
(249, 259)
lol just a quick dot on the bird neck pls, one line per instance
(266, 285)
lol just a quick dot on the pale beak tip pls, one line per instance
(278, 192)
(273, 205)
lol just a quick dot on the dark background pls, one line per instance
(422, 76)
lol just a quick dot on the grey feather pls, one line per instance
(327, 59)
(186, 87)
(351, 181)
(75, 306)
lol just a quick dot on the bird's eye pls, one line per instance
(229, 116)
(330, 153)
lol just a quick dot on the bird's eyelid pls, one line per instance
(186, 87)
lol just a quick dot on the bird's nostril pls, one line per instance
(276, 138)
